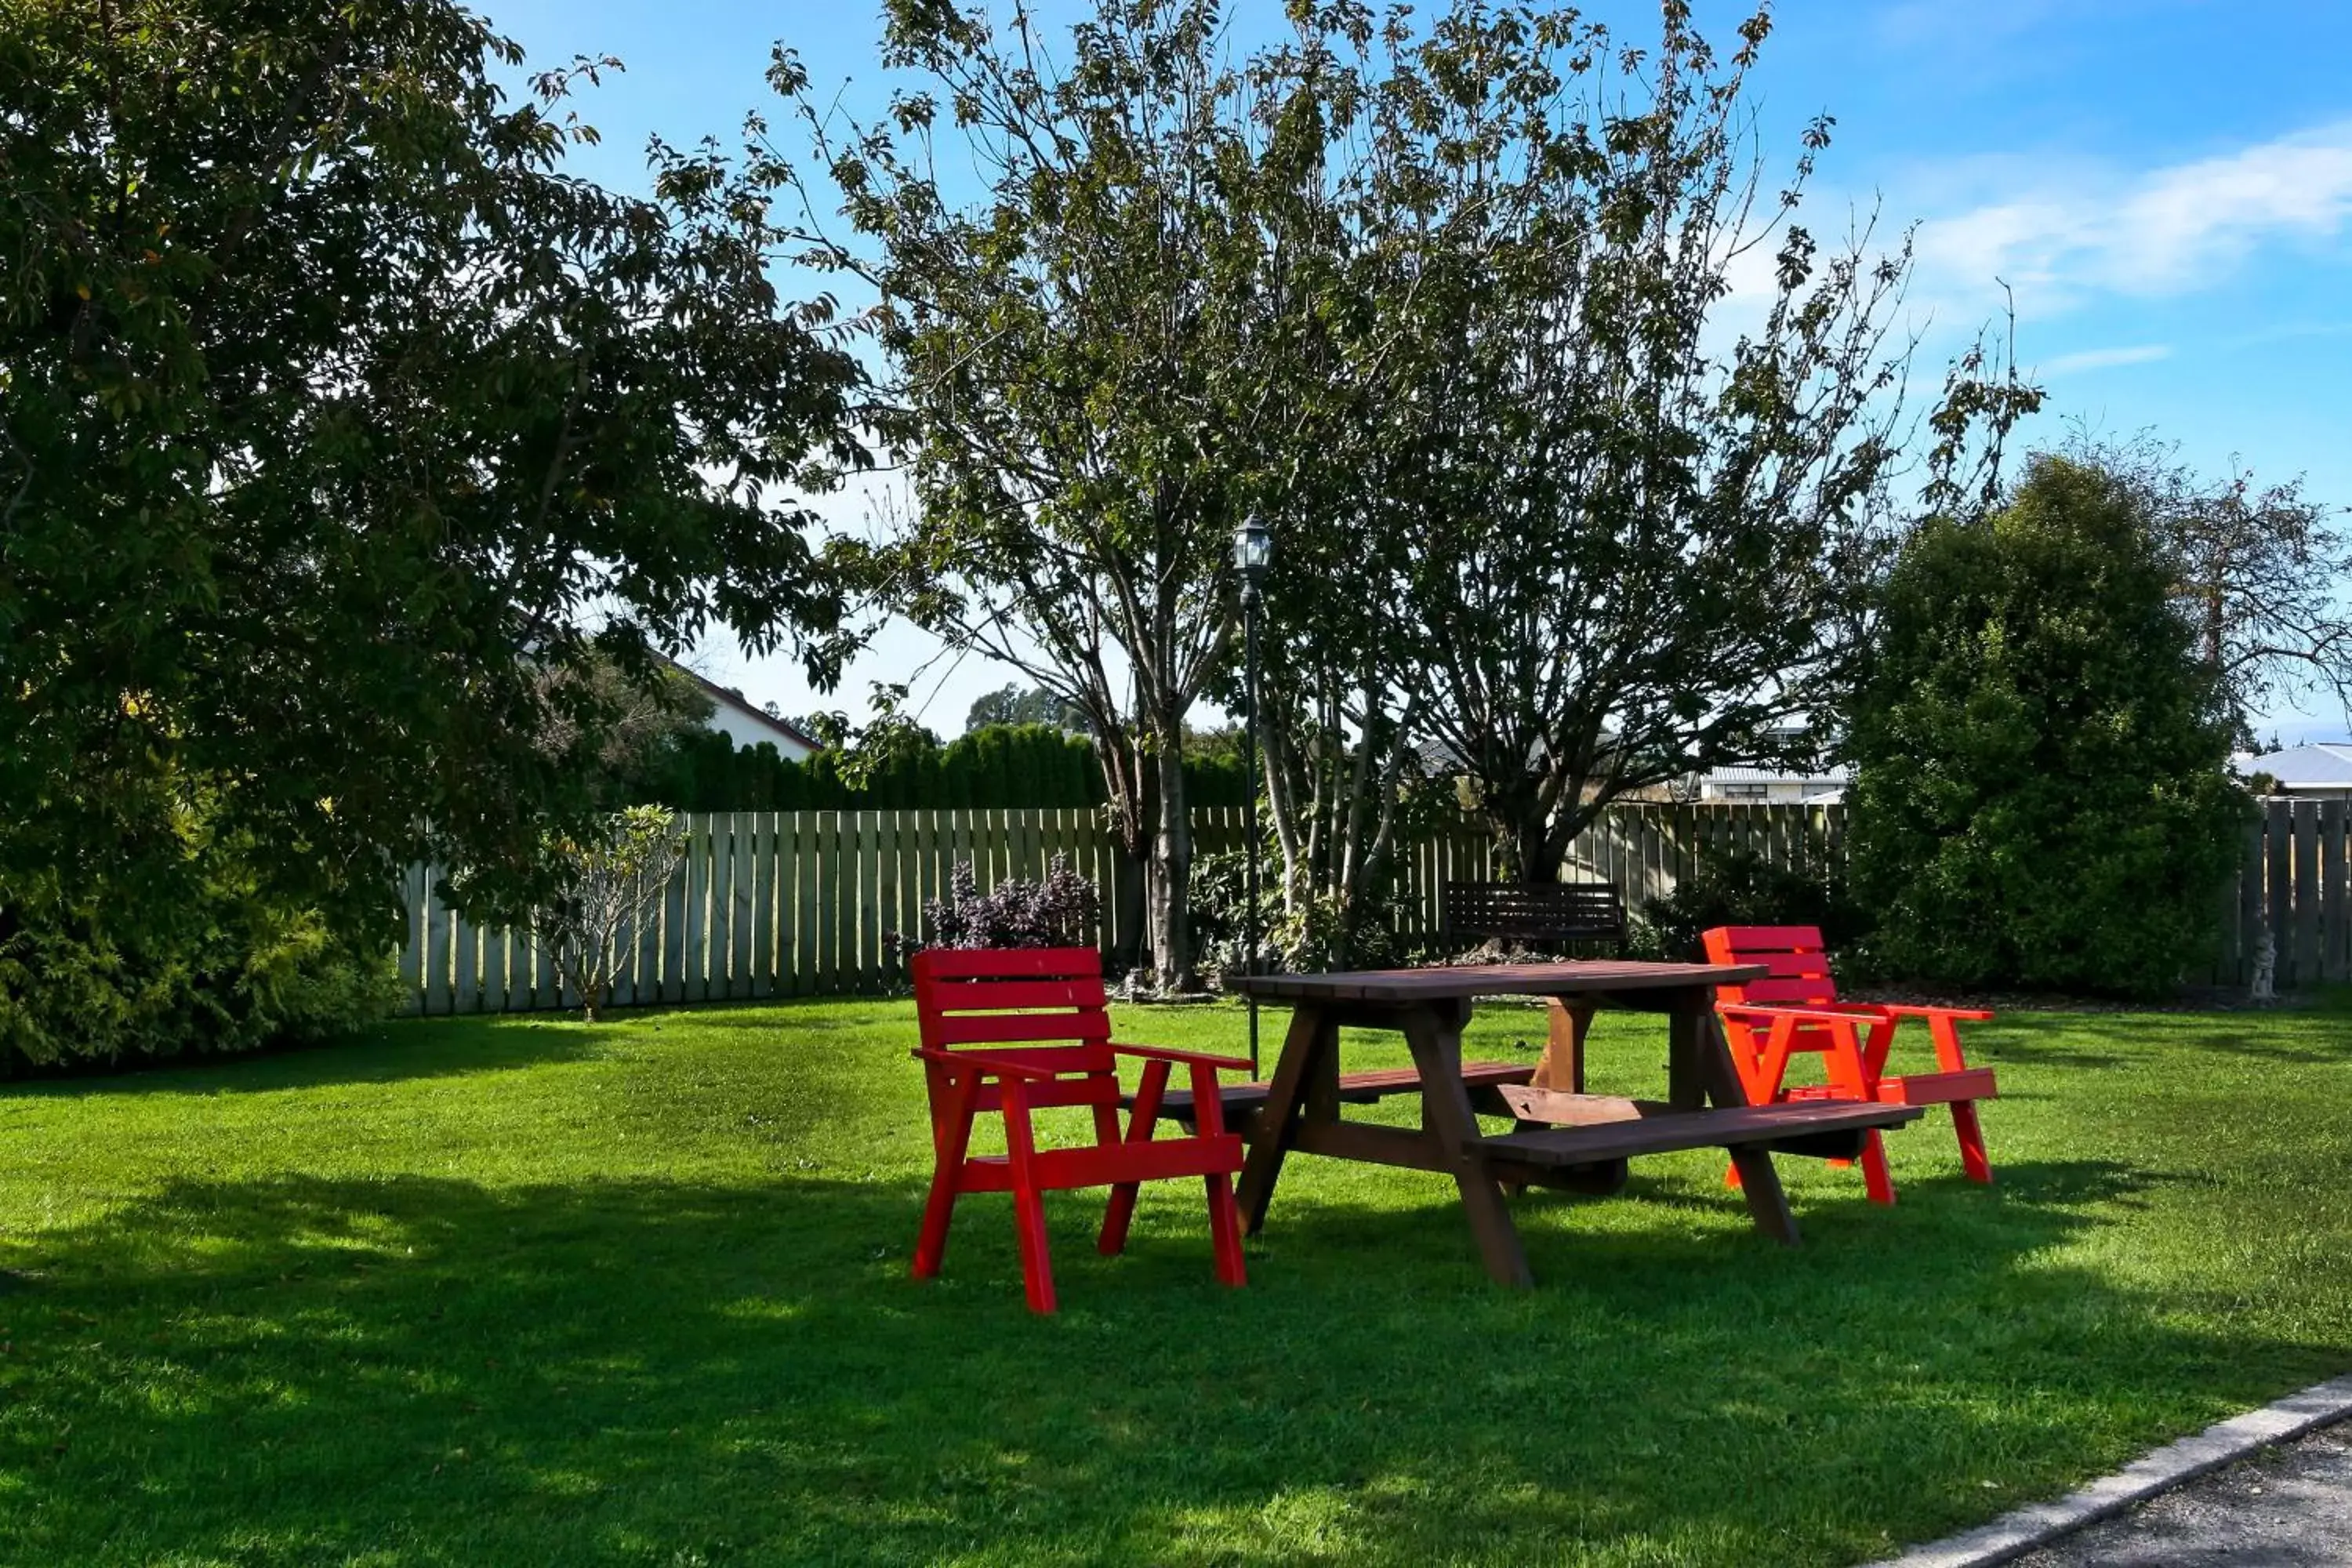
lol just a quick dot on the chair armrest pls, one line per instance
(1189, 1059)
(1803, 1014)
(1899, 1011)
(982, 1062)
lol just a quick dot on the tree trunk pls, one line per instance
(1172, 892)
(1521, 829)
(1530, 845)
(1126, 800)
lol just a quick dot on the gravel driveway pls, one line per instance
(2288, 1506)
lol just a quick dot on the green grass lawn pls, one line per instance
(528, 1292)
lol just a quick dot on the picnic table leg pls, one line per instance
(1561, 1065)
(1708, 1074)
(1688, 1081)
(1436, 1044)
(1310, 1039)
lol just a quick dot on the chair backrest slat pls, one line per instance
(1009, 962)
(1011, 1028)
(1799, 963)
(1048, 997)
(1003, 995)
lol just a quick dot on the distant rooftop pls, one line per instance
(1832, 774)
(2321, 765)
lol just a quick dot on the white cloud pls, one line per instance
(2166, 231)
(2102, 359)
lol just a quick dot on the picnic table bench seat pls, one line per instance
(1649, 1127)
(1355, 1089)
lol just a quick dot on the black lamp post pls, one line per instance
(1253, 549)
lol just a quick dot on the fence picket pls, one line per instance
(2278, 883)
(868, 970)
(2304, 817)
(2335, 956)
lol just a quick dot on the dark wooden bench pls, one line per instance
(1831, 1129)
(1555, 916)
(1484, 1078)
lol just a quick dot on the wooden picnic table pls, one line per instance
(1562, 1137)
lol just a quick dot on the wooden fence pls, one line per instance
(770, 903)
(2291, 884)
(2293, 880)
(1647, 849)
(800, 903)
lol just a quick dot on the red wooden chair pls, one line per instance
(1056, 1049)
(1795, 1011)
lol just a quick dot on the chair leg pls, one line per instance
(931, 1244)
(951, 1139)
(1225, 1230)
(1028, 1204)
(1973, 1163)
(1120, 1212)
(1876, 1180)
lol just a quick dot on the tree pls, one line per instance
(612, 876)
(2258, 572)
(333, 408)
(1014, 704)
(2039, 797)
(1077, 360)
(1631, 422)
(642, 720)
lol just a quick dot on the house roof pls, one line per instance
(2319, 766)
(735, 702)
(1829, 775)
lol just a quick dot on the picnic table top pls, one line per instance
(1442, 983)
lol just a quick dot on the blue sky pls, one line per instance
(2166, 185)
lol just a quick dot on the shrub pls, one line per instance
(2040, 797)
(1740, 889)
(611, 881)
(221, 967)
(1060, 910)
(1314, 936)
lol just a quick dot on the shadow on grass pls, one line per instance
(394, 1052)
(303, 1370)
(2305, 1037)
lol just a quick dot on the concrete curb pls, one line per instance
(2014, 1534)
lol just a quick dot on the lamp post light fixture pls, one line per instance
(1253, 553)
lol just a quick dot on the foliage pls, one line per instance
(646, 719)
(1059, 910)
(1304, 931)
(2040, 797)
(1002, 767)
(1030, 766)
(1744, 889)
(1022, 705)
(1079, 363)
(1219, 907)
(226, 966)
(335, 410)
(2259, 572)
(1322, 932)
(613, 877)
(1620, 537)
(470, 1238)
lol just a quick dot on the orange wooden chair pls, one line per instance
(1795, 1011)
(1039, 1013)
